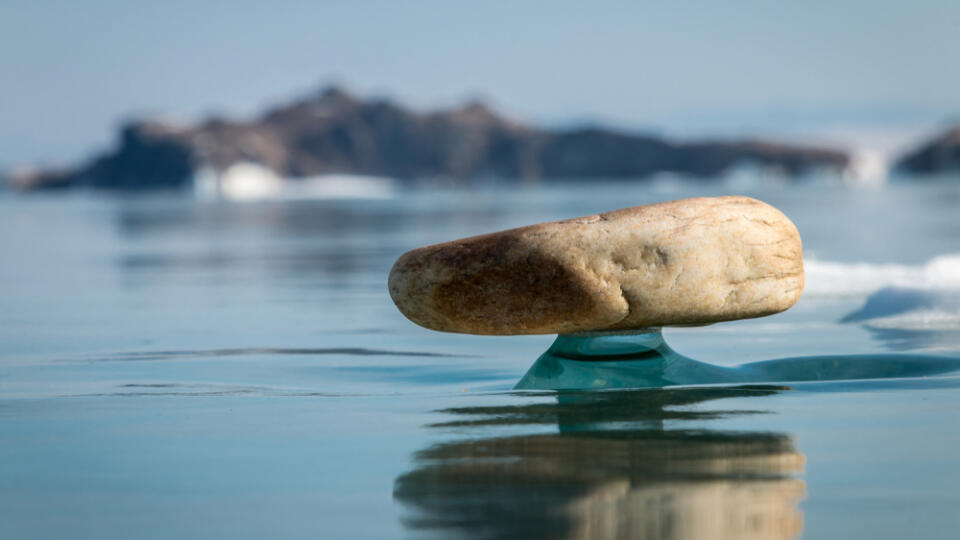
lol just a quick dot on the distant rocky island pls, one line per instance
(938, 155)
(333, 132)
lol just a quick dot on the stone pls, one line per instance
(686, 262)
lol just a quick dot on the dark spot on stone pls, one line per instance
(500, 285)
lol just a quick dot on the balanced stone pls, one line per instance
(685, 262)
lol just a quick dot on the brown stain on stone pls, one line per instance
(500, 286)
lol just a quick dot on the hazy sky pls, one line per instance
(70, 71)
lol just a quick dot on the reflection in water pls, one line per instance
(258, 351)
(908, 318)
(622, 465)
(907, 339)
(304, 245)
(336, 238)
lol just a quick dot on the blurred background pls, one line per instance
(872, 83)
(200, 203)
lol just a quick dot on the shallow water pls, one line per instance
(174, 368)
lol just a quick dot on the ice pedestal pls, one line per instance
(641, 359)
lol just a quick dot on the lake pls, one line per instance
(177, 368)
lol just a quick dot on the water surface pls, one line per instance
(176, 368)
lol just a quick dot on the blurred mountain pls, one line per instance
(938, 155)
(335, 132)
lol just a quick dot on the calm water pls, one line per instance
(174, 368)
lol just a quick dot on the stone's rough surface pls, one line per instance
(692, 261)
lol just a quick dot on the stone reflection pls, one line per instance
(623, 465)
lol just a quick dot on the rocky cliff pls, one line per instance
(938, 155)
(333, 132)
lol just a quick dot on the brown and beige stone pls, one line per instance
(691, 261)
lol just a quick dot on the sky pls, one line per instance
(861, 73)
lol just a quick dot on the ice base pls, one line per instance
(642, 359)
